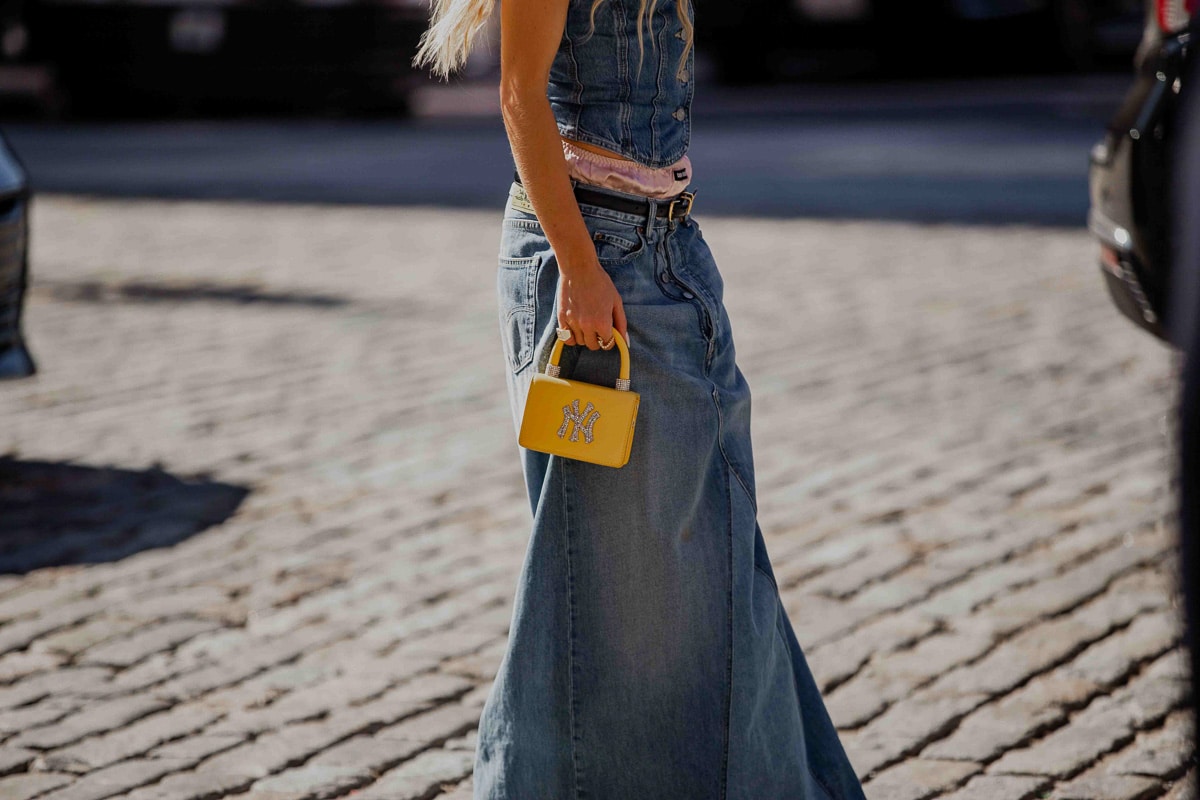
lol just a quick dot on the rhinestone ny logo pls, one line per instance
(579, 420)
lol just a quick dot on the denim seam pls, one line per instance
(701, 312)
(520, 355)
(691, 94)
(532, 291)
(610, 214)
(737, 474)
(705, 301)
(723, 794)
(626, 86)
(571, 655)
(817, 779)
(700, 289)
(753, 504)
(631, 250)
(658, 87)
(529, 224)
(729, 653)
(779, 617)
(620, 241)
(519, 358)
(579, 134)
(825, 787)
(577, 96)
(770, 579)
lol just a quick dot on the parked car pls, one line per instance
(1131, 170)
(119, 57)
(15, 360)
(766, 40)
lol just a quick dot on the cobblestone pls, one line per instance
(266, 510)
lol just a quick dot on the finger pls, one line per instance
(565, 317)
(591, 339)
(619, 321)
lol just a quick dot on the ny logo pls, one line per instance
(581, 419)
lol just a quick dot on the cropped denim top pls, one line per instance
(597, 93)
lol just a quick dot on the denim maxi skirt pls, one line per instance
(649, 656)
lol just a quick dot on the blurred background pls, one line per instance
(78, 58)
(814, 107)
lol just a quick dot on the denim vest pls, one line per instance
(598, 95)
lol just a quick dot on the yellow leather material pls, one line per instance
(580, 420)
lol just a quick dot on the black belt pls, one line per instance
(677, 207)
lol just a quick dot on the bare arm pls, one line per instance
(530, 32)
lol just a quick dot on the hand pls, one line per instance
(590, 305)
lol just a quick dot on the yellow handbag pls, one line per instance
(577, 419)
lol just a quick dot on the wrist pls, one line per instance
(576, 265)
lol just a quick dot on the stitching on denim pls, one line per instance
(691, 94)
(511, 262)
(583, 135)
(577, 95)
(729, 623)
(817, 779)
(770, 579)
(658, 86)
(571, 656)
(532, 292)
(707, 314)
(521, 354)
(631, 250)
(779, 631)
(701, 312)
(728, 606)
(681, 147)
(699, 288)
(737, 474)
(605, 236)
(625, 117)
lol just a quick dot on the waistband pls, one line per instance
(667, 209)
(625, 175)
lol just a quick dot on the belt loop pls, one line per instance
(651, 211)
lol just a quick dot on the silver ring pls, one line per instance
(564, 334)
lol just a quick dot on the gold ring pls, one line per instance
(607, 345)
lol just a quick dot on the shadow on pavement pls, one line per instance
(60, 513)
(179, 292)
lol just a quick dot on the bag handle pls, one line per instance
(622, 384)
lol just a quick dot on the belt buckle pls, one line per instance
(689, 196)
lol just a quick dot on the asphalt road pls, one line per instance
(975, 152)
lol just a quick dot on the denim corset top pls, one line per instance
(600, 97)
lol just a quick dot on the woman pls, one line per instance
(649, 655)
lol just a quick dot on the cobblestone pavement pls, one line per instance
(263, 510)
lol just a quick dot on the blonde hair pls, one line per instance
(455, 25)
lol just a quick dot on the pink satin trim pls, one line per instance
(627, 176)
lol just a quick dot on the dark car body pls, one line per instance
(118, 57)
(15, 360)
(1130, 182)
